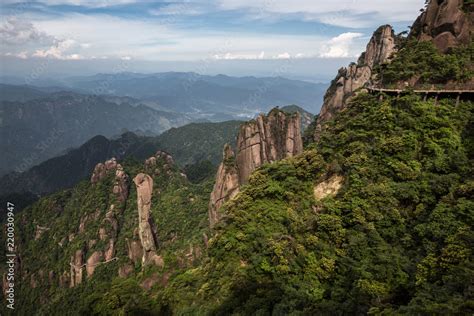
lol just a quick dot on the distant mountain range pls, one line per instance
(40, 128)
(217, 97)
(40, 122)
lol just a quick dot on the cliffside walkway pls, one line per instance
(92, 265)
(432, 93)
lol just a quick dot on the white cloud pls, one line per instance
(345, 13)
(85, 3)
(22, 39)
(340, 46)
(15, 31)
(21, 55)
(59, 51)
(283, 56)
(262, 55)
(241, 56)
(115, 37)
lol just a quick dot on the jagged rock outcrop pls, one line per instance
(101, 169)
(447, 23)
(226, 186)
(99, 173)
(264, 140)
(110, 251)
(122, 183)
(348, 80)
(144, 184)
(267, 139)
(160, 163)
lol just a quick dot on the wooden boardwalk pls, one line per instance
(431, 93)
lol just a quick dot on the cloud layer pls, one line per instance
(195, 30)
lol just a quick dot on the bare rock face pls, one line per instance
(110, 251)
(93, 262)
(160, 162)
(264, 140)
(447, 23)
(110, 221)
(144, 185)
(121, 185)
(226, 186)
(329, 187)
(99, 173)
(267, 139)
(135, 251)
(77, 262)
(348, 80)
(101, 169)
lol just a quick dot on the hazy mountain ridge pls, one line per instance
(191, 92)
(38, 129)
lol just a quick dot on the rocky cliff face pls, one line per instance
(267, 139)
(448, 23)
(264, 140)
(348, 80)
(226, 186)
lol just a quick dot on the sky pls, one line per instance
(304, 39)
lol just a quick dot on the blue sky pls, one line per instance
(187, 32)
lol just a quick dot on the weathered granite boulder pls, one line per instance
(448, 23)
